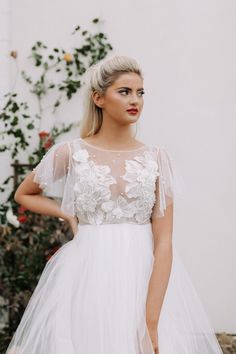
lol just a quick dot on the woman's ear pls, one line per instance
(98, 99)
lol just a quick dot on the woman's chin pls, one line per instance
(132, 117)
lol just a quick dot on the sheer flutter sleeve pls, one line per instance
(169, 183)
(54, 174)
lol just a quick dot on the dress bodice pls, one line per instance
(106, 186)
(112, 186)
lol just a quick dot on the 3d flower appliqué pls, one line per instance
(94, 201)
(91, 188)
(81, 155)
(141, 173)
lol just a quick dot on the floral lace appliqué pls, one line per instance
(91, 188)
(141, 173)
(92, 192)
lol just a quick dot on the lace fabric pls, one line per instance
(106, 186)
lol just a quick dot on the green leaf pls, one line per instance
(57, 103)
(14, 121)
(30, 126)
(15, 107)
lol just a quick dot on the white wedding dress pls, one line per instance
(91, 296)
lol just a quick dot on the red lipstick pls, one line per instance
(132, 111)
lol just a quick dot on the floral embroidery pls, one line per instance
(91, 188)
(141, 173)
(81, 156)
(93, 195)
(119, 208)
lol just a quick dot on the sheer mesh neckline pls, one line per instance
(103, 149)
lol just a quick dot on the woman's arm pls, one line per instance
(29, 194)
(162, 229)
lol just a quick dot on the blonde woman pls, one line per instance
(118, 287)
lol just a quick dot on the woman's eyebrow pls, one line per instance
(128, 88)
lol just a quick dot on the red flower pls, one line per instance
(43, 134)
(48, 143)
(22, 209)
(22, 218)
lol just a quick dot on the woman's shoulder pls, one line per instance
(158, 148)
(65, 146)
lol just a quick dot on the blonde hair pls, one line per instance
(100, 77)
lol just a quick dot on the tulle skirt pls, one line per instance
(91, 299)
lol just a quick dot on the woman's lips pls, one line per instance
(132, 111)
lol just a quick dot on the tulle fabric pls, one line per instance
(184, 327)
(170, 185)
(55, 175)
(91, 295)
(91, 299)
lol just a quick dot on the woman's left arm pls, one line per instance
(162, 229)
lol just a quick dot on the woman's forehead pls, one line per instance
(128, 79)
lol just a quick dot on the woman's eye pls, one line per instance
(124, 91)
(141, 93)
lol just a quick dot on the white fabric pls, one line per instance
(91, 296)
(104, 186)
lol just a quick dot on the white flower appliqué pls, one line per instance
(81, 156)
(91, 188)
(141, 173)
(93, 201)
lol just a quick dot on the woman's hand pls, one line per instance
(72, 220)
(152, 329)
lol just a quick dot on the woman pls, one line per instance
(117, 287)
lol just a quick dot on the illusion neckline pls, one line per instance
(103, 149)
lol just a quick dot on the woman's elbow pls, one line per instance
(25, 189)
(17, 197)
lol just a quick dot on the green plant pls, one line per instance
(25, 243)
(19, 123)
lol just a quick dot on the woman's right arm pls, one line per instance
(29, 194)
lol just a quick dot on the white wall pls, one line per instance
(5, 15)
(187, 50)
(5, 82)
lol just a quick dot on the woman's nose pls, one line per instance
(134, 99)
